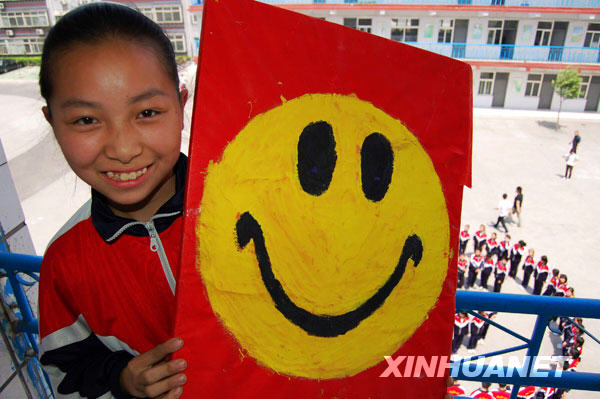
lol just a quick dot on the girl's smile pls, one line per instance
(117, 116)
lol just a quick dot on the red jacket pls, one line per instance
(106, 293)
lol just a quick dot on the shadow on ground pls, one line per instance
(549, 125)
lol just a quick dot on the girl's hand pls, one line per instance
(152, 375)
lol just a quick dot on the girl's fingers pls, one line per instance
(163, 370)
(167, 385)
(159, 352)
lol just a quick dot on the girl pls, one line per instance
(110, 82)
(528, 268)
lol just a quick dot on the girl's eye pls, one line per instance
(147, 113)
(86, 120)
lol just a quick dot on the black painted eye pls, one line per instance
(377, 165)
(316, 157)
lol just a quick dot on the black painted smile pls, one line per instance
(247, 228)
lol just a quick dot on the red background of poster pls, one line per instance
(251, 55)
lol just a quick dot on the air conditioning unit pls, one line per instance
(9, 32)
(39, 32)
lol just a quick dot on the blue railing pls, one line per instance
(508, 52)
(544, 307)
(21, 271)
(506, 3)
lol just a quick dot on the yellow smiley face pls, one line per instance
(323, 237)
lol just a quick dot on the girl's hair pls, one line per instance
(564, 277)
(555, 272)
(544, 259)
(96, 22)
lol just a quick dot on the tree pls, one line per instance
(566, 85)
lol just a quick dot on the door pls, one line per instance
(509, 37)
(546, 92)
(559, 34)
(593, 94)
(461, 26)
(499, 93)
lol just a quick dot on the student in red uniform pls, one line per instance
(491, 245)
(483, 392)
(486, 327)
(486, 270)
(474, 267)
(464, 239)
(504, 247)
(461, 329)
(479, 238)
(552, 284)
(502, 392)
(573, 361)
(516, 253)
(528, 267)
(526, 393)
(476, 328)
(562, 286)
(463, 264)
(500, 274)
(455, 389)
(541, 274)
(106, 293)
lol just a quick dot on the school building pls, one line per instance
(515, 47)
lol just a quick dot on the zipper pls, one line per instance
(156, 246)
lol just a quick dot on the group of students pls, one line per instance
(503, 258)
(503, 392)
(489, 255)
(475, 327)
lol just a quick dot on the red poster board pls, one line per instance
(322, 208)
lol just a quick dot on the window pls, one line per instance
(494, 32)
(534, 81)
(178, 41)
(362, 24)
(163, 14)
(24, 18)
(405, 29)
(33, 45)
(542, 35)
(585, 84)
(592, 36)
(168, 14)
(486, 81)
(4, 46)
(446, 30)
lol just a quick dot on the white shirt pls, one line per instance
(571, 158)
(505, 206)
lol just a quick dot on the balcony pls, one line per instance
(511, 52)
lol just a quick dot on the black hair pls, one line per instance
(485, 385)
(95, 22)
(564, 276)
(544, 259)
(555, 272)
(519, 189)
(522, 243)
(504, 195)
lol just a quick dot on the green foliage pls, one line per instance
(34, 60)
(567, 83)
(181, 59)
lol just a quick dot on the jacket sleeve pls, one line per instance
(78, 363)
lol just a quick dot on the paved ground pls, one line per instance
(510, 148)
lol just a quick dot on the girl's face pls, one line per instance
(118, 118)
